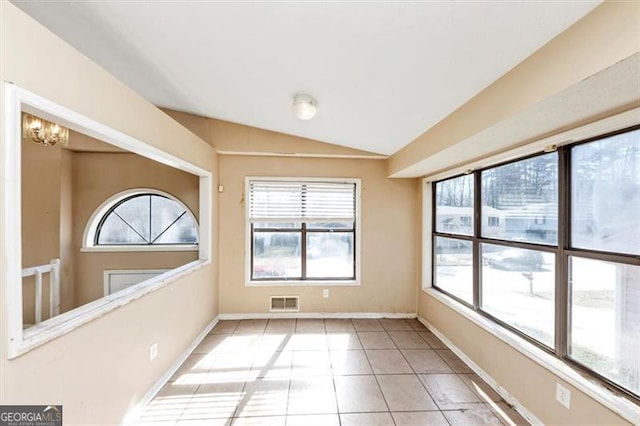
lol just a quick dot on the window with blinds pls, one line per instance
(302, 230)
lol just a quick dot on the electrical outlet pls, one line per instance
(563, 395)
(325, 293)
(153, 351)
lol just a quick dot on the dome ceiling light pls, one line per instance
(304, 106)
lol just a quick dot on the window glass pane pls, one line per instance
(454, 205)
(605, 194)
(135, 211)
(183, 231)
(148, 219)
(277, 255)
(605, 319)
(330, 255)
(518, 288)
(163, 213)
(115, 231)
(454, 267)
(520, 200)
(331, 225)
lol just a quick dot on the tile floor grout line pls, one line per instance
(375, 377)
(418, 377)
(333, 379)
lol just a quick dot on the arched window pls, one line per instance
(142, 218)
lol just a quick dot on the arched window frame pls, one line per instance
(92, 227)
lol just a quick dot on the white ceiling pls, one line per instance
(383, 72)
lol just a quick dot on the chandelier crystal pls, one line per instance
(43, 132)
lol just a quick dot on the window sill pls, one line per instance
(55, 327)
(305, 283)
(133, 248)
(589, 386)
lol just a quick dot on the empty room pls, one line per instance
(317, 213)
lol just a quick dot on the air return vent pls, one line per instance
(284, 303)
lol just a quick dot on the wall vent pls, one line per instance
(285, 303)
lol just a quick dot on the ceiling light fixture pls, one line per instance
(43, 132)
(304, 106)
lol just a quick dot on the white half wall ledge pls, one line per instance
(510, 399)
(319, 315)
(132, 415)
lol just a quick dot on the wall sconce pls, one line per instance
(43, 132)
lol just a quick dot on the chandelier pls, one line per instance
(43, 132)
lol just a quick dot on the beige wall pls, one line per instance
(533, 386)
(388, 218)
(99, 176)
(227, 137)
(41, 177)
(100, 370)
(67, 247)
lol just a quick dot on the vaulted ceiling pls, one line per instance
(383, 73)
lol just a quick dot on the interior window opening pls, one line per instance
(67, 177)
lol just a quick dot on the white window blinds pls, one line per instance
(273, 201)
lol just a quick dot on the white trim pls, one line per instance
(133, 414)
(318, 315)
(205, 244)
(134, 248)
(11, 216)
(91, 227)
(616, 403)
(50, 329)
(606, 125)
(15, 101)
(302, 283)
(510, 399)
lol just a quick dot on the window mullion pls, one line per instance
(303, 237)
(303, 250)
(562, 269)
(477, 229)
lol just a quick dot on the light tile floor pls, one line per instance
(310, 372)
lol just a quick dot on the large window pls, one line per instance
(555, 255)
(302, 230)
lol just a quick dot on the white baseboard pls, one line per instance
(135, 412)
(320, 315)
(510, 399)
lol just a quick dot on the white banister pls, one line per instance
(53, 269)
(39, 296)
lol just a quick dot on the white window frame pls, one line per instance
(88, 237)
(590, 386)
(16, 100)
(288, 283)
